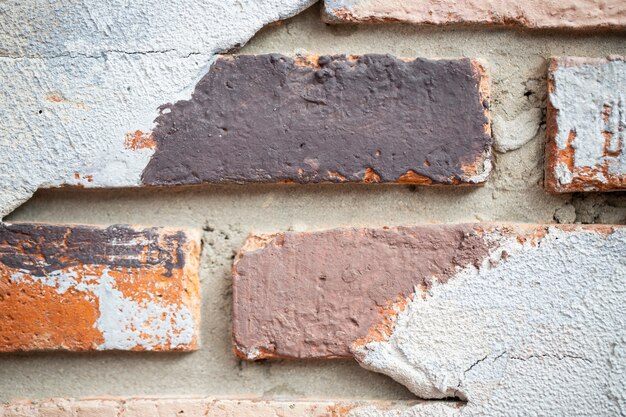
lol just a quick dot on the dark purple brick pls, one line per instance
(370, 118)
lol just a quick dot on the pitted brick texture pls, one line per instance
(571, 14)
(370, 118)
(210, 407)
(323, 294)
(586, 125)
(84, 288)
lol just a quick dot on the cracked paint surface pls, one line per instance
(586, 131)
(539, 327)
(82, 288)
(571, 14)
(81, 76)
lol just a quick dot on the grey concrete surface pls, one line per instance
(514, 193)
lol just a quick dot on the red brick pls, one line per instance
(85, 288)
(572, 14)
(323, 294)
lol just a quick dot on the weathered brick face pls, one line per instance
(586, 125)
(306, 295)
(370, 118)
(482, 313)
(571, 14)
(324, 294)
(85, 288)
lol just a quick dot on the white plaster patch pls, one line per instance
(590, 99)
(124, 323)
(536, 331)
(510, 135)
(79, 76)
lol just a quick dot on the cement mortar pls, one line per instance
(518, 64)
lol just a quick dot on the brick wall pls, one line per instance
(421, 217)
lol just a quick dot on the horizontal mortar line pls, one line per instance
(104, 52)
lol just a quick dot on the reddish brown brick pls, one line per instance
(85, 288)
(323, 294)
(370, 118)
(586, 125)
(571, 14)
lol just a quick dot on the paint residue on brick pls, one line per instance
(82, 288)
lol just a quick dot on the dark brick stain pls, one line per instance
(42, 248)
(270, 118)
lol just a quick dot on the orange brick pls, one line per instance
(83, 288)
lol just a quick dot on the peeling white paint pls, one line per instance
(584, 91)
(124, 322)
(536, 331)
(80, 75)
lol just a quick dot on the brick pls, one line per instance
(203, 407)
(570, 14)
(586, 125)
(327, 293)
(96, 408)
(188, 407)
(289, 303)
(83, 288)
(370, 118)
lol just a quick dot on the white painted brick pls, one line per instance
(586, 125)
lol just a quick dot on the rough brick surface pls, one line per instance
(571, 14)
(303, 295)
(209, 407)
(84, 288)
(370, 118)
(517, 320)
(317, 294)
(586, 125)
